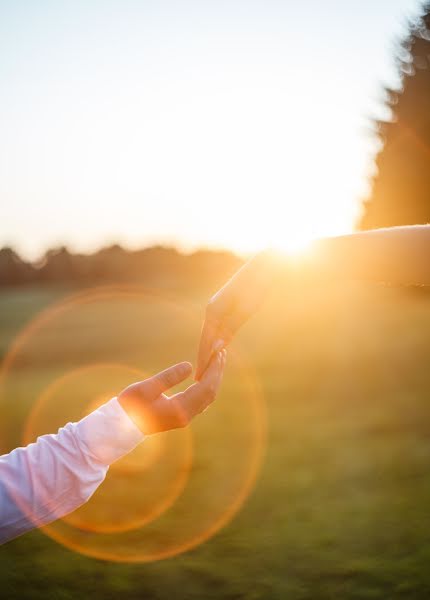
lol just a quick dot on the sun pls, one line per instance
(296, 243)
(296, 233)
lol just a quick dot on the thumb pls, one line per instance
(168, 378)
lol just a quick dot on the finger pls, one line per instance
(154, 386)
(216, 340)
(212, 377)
(223, 363)
(199, 395)
(209, 336)
(220, 375)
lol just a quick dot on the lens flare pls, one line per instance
(160, 465)
(177, 489)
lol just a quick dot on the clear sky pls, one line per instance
(241, 123)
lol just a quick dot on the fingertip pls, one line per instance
(185, 367)
(218, 345)
(222, 355)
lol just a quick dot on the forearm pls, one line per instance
(394, 255)
(52, 477)
(397, 255)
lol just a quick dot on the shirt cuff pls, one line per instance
(108, 433)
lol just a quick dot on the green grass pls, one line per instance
(341, 505)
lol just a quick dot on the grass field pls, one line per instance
(341, 503)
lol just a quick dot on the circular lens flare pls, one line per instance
(160, 465)
(77, 340)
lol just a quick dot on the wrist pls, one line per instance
(108, 432)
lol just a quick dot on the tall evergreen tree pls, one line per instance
(400, 192)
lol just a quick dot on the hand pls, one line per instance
(153, 411)
(234, 304)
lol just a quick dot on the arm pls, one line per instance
(58, 473)
(395, 255)
(52, 477)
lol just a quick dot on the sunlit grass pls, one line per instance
(341, 506)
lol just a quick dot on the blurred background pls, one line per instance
(146, 149)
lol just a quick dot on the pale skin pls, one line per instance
(396, 255)
(153, 411)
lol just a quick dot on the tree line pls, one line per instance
(156, 266)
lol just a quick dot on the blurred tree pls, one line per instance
(57, 266)
(156, 267)
(400, 192)
(13, 270)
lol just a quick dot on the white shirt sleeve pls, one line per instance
(58, 473)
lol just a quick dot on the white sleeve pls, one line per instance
(58, 473)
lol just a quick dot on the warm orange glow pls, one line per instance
(223, 470)
(169, 454)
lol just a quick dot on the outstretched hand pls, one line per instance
(153, 411)
(234, 304)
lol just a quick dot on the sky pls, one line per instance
(223, 123)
